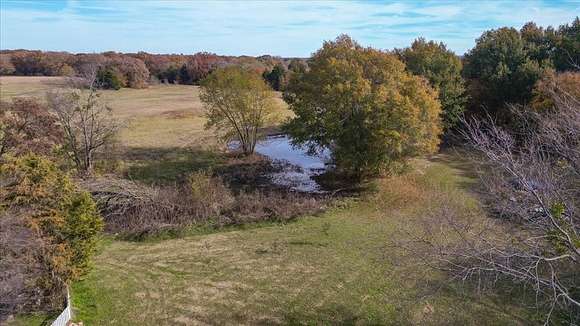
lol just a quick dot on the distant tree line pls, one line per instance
(137, 70)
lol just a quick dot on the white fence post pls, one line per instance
(66, 315)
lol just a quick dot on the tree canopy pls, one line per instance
(361, 103)
(503, 70)
(443, 70)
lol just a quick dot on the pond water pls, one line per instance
(297, 168)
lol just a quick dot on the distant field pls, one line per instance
(158, 116)
(27, 86)
(164, 136)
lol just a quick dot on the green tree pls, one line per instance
(108, 78)
(443, 70)
(502, 70)
(276, 77)
(566, 54)
(184, 76)
(297, 66)
(363, 105)
(238, 103)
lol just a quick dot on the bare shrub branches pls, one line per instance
(532, 179)
(531, 185)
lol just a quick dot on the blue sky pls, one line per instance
(285, 28)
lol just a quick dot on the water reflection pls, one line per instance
(297, 167)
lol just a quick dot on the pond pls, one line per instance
(296, 167)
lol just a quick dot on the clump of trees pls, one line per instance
(362, 104)
(506, 64)
(443, 70)
(134, 70)
(48, 232)
(530, 179)
(238, 103)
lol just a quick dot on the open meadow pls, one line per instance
(338, 267)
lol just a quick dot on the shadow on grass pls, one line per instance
(152, 165)
(336, 314)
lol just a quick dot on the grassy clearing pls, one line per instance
(334, 269)
(11, 86)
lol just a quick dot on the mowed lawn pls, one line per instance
(340, 268)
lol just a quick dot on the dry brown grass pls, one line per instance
(160, 116)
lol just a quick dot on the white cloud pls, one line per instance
(288, 28)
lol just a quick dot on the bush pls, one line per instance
(27, 126)
(58, 226)
(208, 194)
(108, 78)
(363, 105)
(276, 78)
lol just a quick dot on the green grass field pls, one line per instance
(339, 268)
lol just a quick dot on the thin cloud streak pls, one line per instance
(286, 28)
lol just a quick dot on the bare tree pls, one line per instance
(532, 184)
(87, 123)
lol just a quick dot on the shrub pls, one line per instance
(208, 194)
(108, 78)
(58, 225)
(276, 78)
(27, 126)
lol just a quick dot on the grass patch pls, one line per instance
(167, 165)
(37, 319)
(333, 269)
